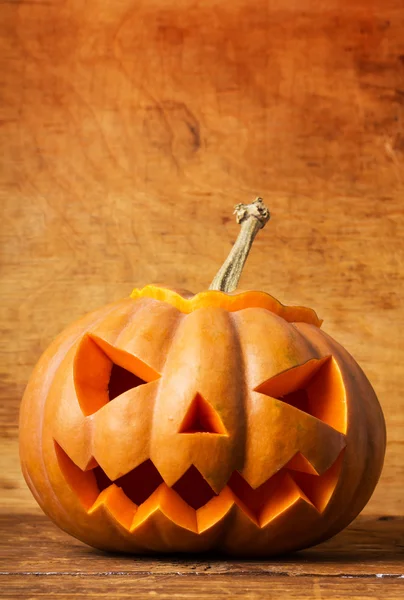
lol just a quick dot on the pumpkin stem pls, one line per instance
(252, 218)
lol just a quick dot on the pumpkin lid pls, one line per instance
(187, 302)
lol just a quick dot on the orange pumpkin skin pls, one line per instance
(219, 404)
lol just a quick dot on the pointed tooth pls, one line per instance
(217, 477)
(215, 512)
(301, 464)
(82, 482)
(166, 523)
(171, 472)
(319, 489)
(277, 531)
(165, 501)
(118, 505)
(92, 463)
(286, 495)
(110, 526)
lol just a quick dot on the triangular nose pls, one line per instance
(201, 417)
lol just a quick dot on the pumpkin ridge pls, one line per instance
(244, 367)
(184, 376)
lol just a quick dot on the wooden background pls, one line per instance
(129, 129)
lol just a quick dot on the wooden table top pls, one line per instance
(364, 561)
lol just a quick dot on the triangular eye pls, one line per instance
(315, 387)
(102, 372)
(201, 417)
(299, 399)
(121, 381)
(300, 463)
(292, 381)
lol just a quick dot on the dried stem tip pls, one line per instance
(252, 217)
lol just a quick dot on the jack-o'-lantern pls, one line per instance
(176, 422)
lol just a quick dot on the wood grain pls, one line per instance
(129, 129)
(364, 561)
(173, 587)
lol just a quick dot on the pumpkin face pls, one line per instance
(172, 422)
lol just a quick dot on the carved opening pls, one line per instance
(201, 417)
(103, 372)
(140, 483)
(300, 463)
(121, 381)
(315, 387)
(299, 399)
(319, 489)
(83, 483)
(131, 498)
(194, 489)
(137, 485)
(254, 501)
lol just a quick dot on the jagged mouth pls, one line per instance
(191, 502)
(140, 483)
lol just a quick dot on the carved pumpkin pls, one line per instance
(174, 422)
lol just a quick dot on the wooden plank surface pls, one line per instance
(129, 129)
(364, 561)
(171, 587)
